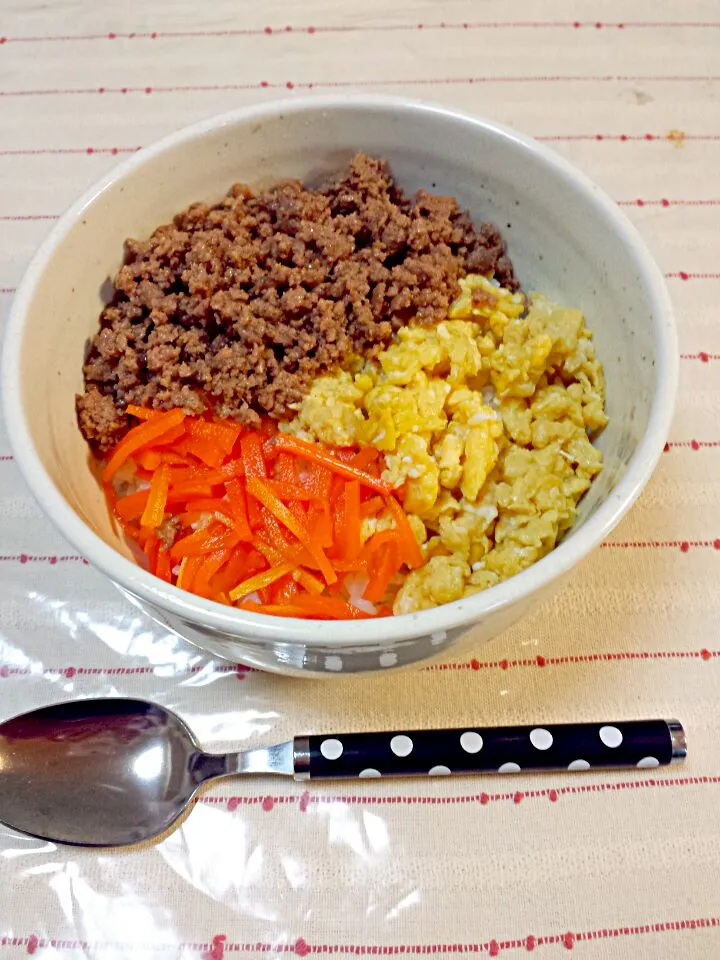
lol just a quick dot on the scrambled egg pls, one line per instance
(484, 421)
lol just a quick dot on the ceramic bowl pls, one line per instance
(566, 238)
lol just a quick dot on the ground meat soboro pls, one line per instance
(238, 306)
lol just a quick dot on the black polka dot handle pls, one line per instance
(565, 746)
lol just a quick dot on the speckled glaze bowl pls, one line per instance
(566, 238)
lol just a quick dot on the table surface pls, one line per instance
(611, 865)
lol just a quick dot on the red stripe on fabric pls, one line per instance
(87, 151)
(683, 545)
(9, 670)
(29, 216)
(311, 30)
(36, 558)
(343, 84)
(554, 138)
(301, 947)
(692, 444)
(682, 275)
(663, 202)
(578, 658)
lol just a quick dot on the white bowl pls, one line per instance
(566, 238)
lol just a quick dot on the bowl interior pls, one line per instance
(562, 241)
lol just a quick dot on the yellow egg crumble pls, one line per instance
(485, 421)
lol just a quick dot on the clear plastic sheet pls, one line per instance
(613, 865)
(271, 867)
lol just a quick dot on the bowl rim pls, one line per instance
(262, 628)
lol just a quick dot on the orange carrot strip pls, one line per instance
(320, 522)
(221, 434)
(190, 490)
(163, 566)
(349, 534)
(149, 459)
(284, 590)
(384, 570)
(171, 437)
(132, 506)
(142, 413)
(211, 564)
(214, 537)
(263, 493)
(335, 610)
(232, 469)
(241, 564)
(238, 507)
(312, 451)
(410, 548)
(285, 469)
(152, 546)
(209, 505)
(251, 451)
(274, 532)
(350, 566)
(372, 506)
(364, 457)
(260, 580)
(290, 491)
(155, 507)
(211, 442)
(138, 437)
(189, 567)
(330, 607)
(309, 581)
(316, 478)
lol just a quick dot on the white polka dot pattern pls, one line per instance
(401, 746)
(579, 765)
(637, 745)
(611, 737)
(333, 664)
(541, 739)
(388, 659)
(331, 749)
(471, 742)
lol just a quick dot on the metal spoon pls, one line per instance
(111, 772)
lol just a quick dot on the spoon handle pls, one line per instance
(564, 746)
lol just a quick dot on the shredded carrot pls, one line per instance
(132, 506)
(265, 495)
(412, 554)
(154, 511)
(260, 514)
(138, 437)
(261, 580)
(313, 451)
(251, 449)
(142, 413)
(369, 508)
(348, 516)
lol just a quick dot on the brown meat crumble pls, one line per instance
(238, 306)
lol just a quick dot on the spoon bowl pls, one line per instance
(106, 772)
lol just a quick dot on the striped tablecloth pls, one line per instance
(604, 866)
